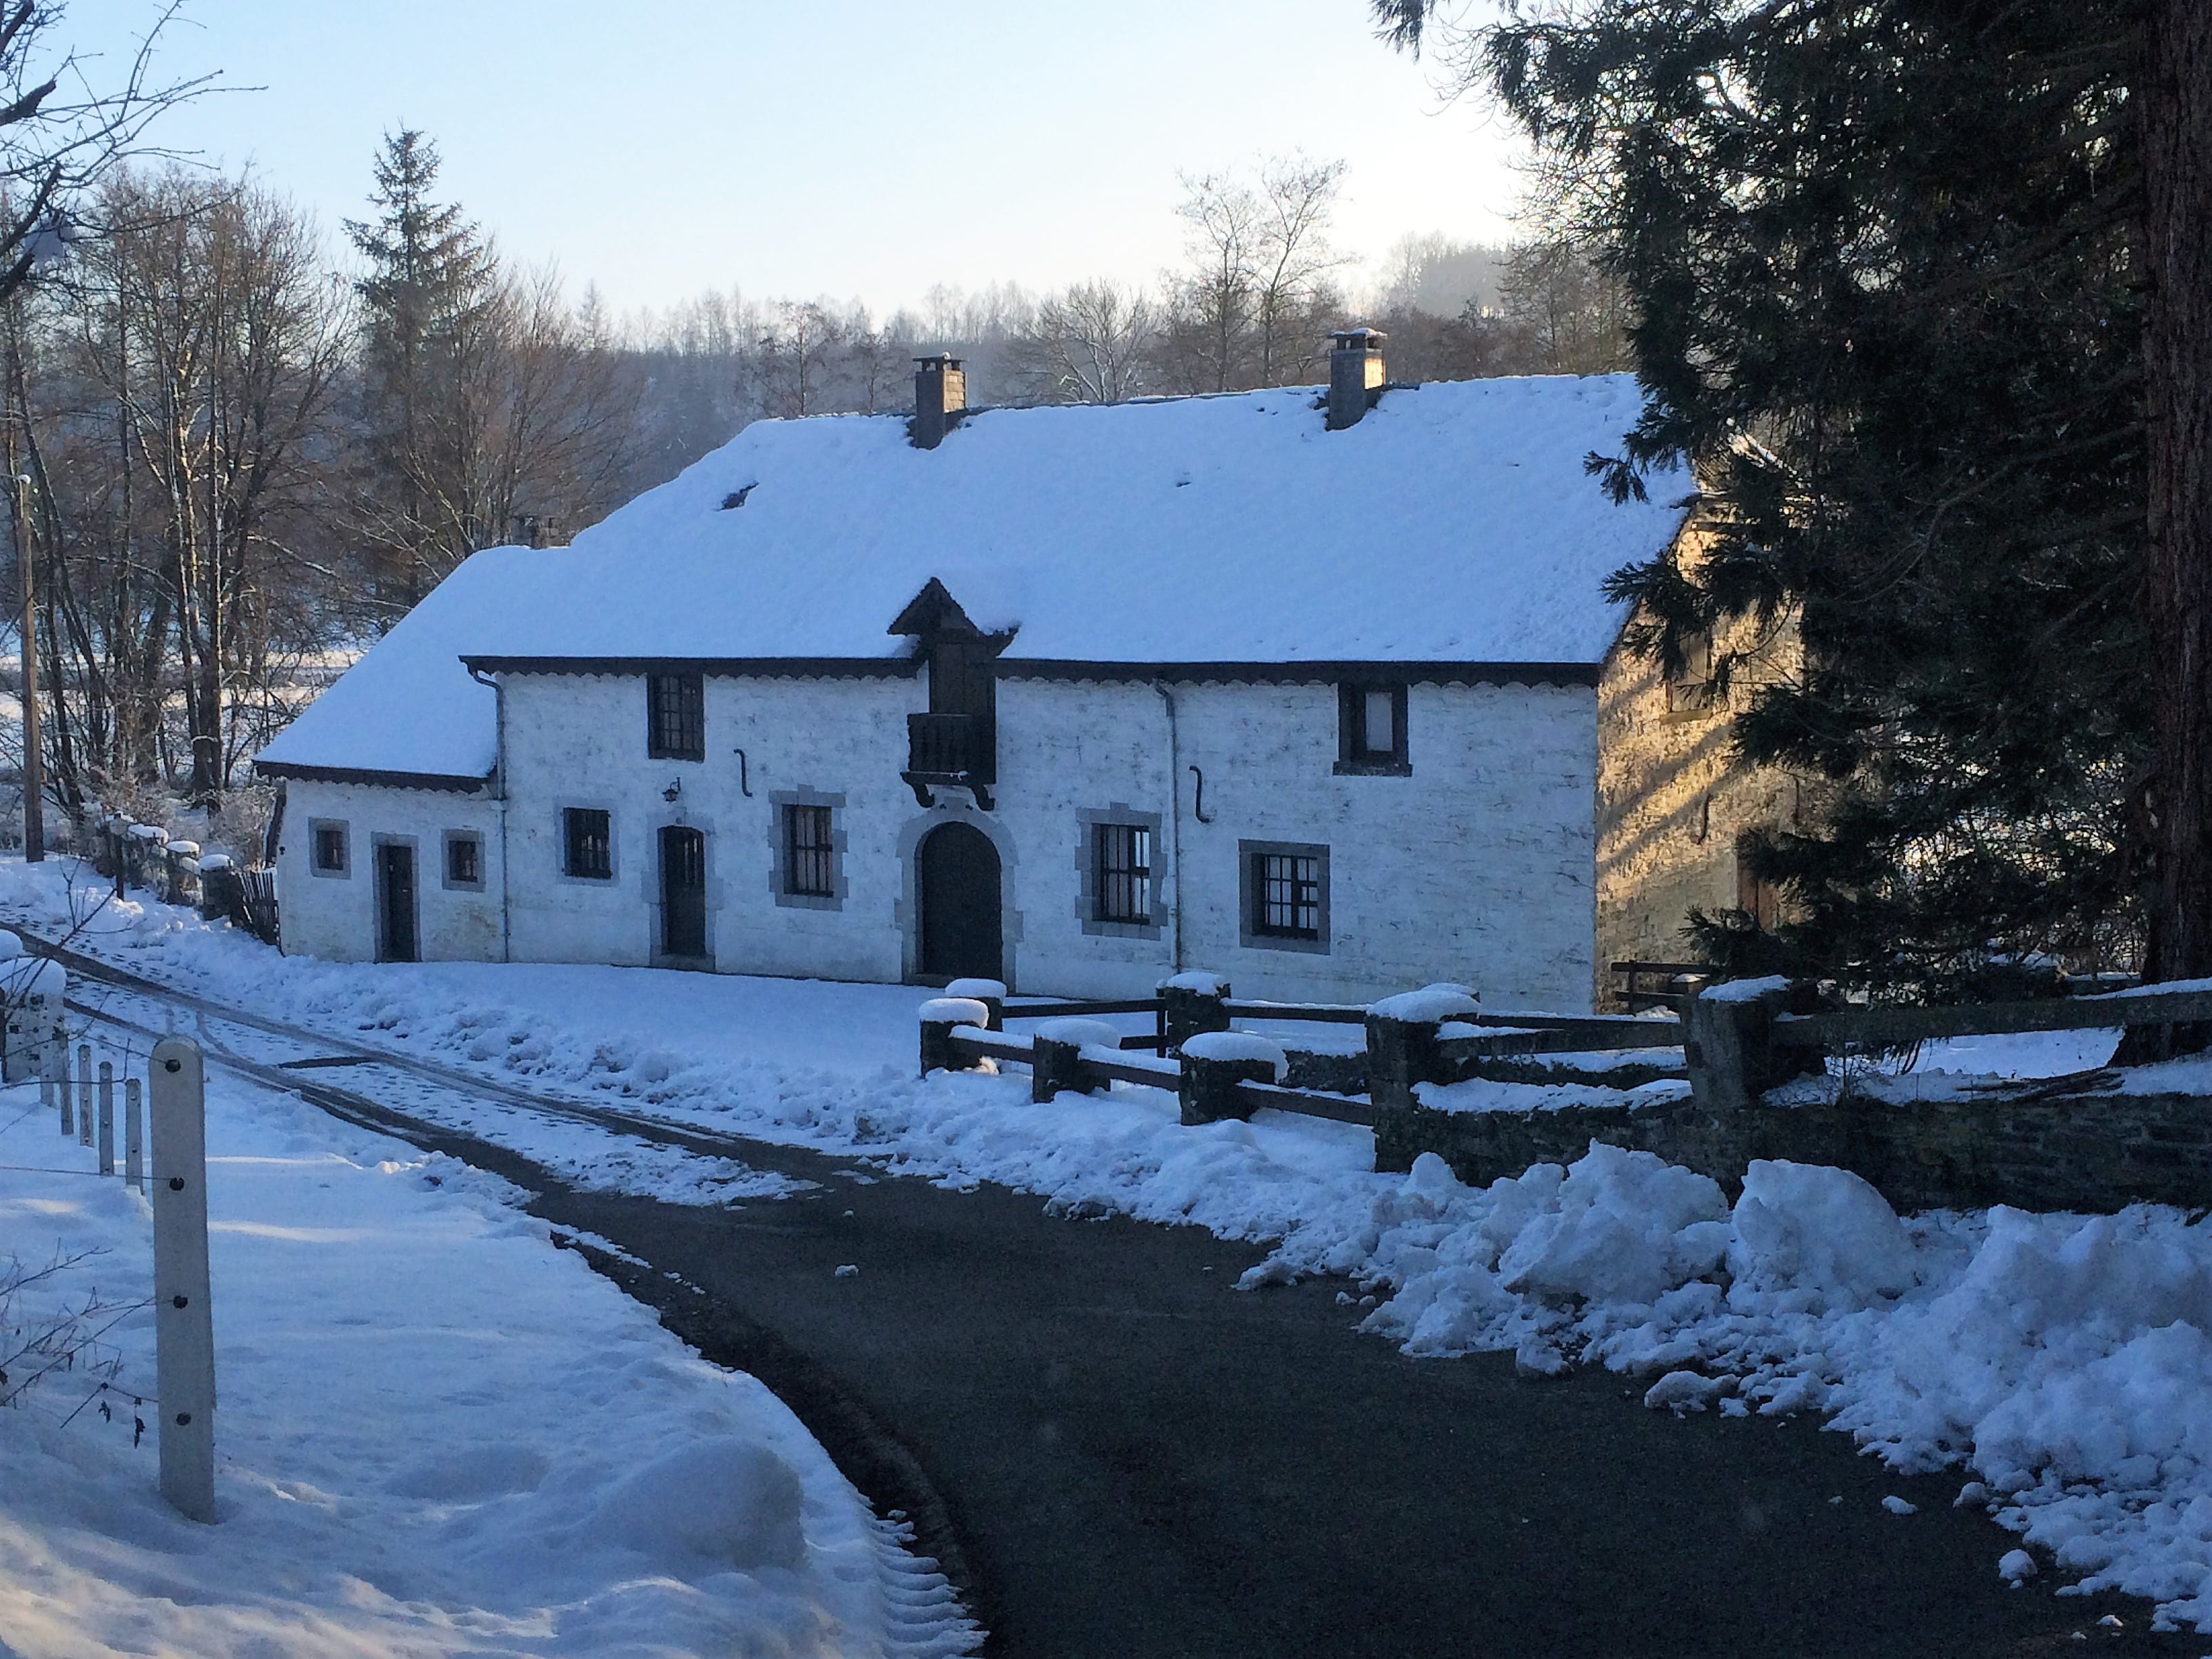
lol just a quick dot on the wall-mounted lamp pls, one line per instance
(674, 789)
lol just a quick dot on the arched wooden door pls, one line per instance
(957, 879)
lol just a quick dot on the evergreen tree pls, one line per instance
(427, 300)
(1884, 259)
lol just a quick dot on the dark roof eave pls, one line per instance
(448, 782)
(1042, 668)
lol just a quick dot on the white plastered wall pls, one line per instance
(334, 916)
(1477, 866)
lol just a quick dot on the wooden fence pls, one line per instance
(1397, 1054)
(2079, 1142)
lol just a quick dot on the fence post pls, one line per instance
(938, 1016)
(106, 1118)
(84, 1093)
(1210, 1089)
(1727, 1041)
(1403, 1033)
(183, 1331)
(1190, 1004)
(1053, 1065)
(53, 1081)
(219, 888)
(134, 1137)
(991, 993)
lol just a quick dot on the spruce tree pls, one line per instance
(1886, 260)
(430, 284)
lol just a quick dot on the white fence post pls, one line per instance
(84, 1093)
(53, 1083)
(134, 1137)
(183, 1331)
(106, 1118)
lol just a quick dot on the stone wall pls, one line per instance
(1671, 802)
(2086, 1153)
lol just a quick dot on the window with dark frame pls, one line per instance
(589, 843)
(675, 717)
(1694, 691)
(1287, 895)
(1122, 887)
(809, 851)
(464, 861)
(1371, 728)
(329, 844)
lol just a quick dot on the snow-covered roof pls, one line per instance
(410, 706)
(1455, 524)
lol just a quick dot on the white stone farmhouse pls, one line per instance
(1304, 688)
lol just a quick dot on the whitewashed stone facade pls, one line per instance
(819, 586)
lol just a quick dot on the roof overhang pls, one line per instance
(307, 774)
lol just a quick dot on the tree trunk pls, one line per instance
(2175, 98)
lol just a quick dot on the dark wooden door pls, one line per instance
(960, 919)
(682, 892)
(395, 903)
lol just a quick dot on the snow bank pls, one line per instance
(438, 1435)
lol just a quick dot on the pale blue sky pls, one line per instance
(865, 149)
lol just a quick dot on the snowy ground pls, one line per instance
(438, 1434)
(2062, 1360)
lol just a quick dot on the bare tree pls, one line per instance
(1090, 343)
(1251, 305)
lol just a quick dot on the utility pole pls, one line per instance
(34, 781)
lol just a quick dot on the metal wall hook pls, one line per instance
(744, 784)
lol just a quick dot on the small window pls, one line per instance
(1694, 691)
(1122, 889)
(463, 859)
(1372, 730)
(588, 849)
(329, 848)
(675, 717)
(809, 853)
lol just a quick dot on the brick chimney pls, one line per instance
(940, 398)
(1355, 375)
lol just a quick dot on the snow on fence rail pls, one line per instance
(1693, 1089)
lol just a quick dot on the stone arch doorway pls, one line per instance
(962, 929)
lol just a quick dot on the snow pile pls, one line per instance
(2065, 1359)
(437, 1435)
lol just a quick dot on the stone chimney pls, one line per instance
(1355, 375)
(940, 398)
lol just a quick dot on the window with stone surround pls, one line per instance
(1284, 894)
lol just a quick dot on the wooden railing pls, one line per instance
(953, 748)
